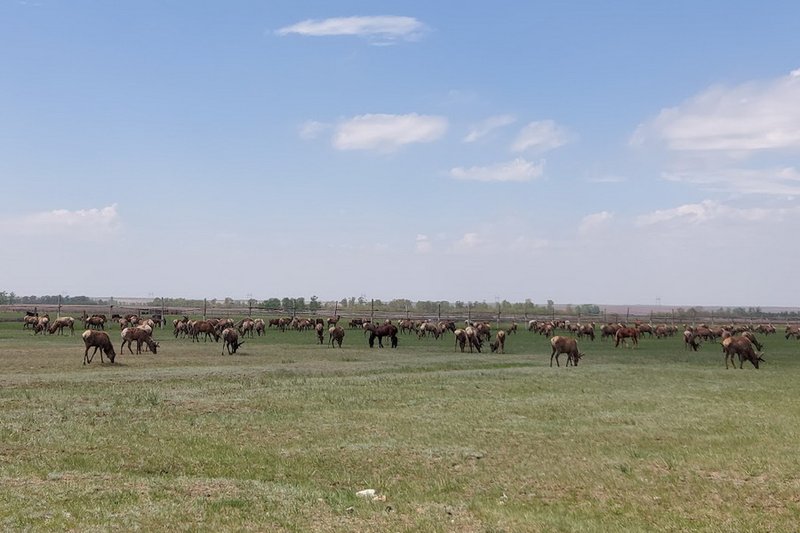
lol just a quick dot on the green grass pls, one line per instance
(283, 434)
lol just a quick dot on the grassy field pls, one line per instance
(281, 436)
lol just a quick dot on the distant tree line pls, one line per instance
(361, 304)
(10, 298)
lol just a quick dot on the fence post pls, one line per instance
(205, 307)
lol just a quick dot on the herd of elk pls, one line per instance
(738, 340)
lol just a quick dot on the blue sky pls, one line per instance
(572, 151)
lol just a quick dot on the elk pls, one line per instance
(626, 333)
(690, 340)
(99, 341)
(141, 336)
(742, 347)
(61, 323)
(230, 337)
(566, 345)
(461, 339)
(95, 321)
(246, 326)
(335, 334)
(320, 331)
(260, 326)
(473, 338)
(499, 343)
(204, 326)
(379, 332)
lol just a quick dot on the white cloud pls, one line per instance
(385, 29)
(594, 222)
(754, 116)
(780, 181)
(388, 132)
(541, 136)
(469, 241)
(707, 211)
(517, 170)
(487, 126)
(423, 244)
(83, 223)
(311, 129)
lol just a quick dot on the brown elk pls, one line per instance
(379, 332)
(260, 326)
(499, 343)
(626, 333)
(461, 339)
(690, 340)
(230, 337)
(141, 336)
(95, 321)
(61, 323)
(99, 341)
(320, 331)
(246, 327)
(207, 327)
(473, 339)
(566, 345)
(335, 334)
(741, 347)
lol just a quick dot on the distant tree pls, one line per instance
(271, 303)
(314, 304)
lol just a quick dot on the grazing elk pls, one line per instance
(141, 336)
(246, 327)
(461, 339)
(473, 338)
(379, 332)
(335, 334)
(230, 337)
(61, 323)
(690, 340)
(320, 331)
(95, 322)
(566, 345)
(206, 327)
(499, 343)
(99, 341)
(626, 333)
(743, 348)
(260, 326)
(29, 321)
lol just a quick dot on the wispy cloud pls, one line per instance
(541, 136)
(469, 241)
(705, 211)
(311, 129)
(517, 170)
(485, 127)
(387, 133)
(423, 244)
(772, 181)
(754, 116)
(383, 29)
(59, 222)
(594, 222)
